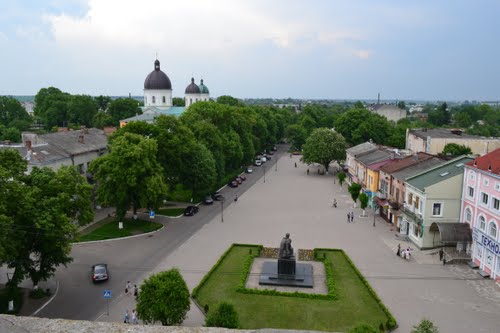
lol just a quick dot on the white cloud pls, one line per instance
(362, 54)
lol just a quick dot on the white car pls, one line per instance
(257, 163)
(263, 159)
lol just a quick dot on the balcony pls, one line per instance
(413, 214)
(394, 205)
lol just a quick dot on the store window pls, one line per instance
(493, 230)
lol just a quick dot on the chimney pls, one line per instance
(475, 162)
(489, 168)
(81, 137)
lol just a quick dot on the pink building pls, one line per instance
(481, 209)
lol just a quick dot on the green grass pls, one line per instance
(110, 229)
(354, 303)
(170, 211)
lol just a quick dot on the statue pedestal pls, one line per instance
(286, 268)
(286, 272)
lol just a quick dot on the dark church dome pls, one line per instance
(192, 88)
(157, 79)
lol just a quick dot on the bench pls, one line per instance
(484, 274)
(473, 265)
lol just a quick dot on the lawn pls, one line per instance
(354, 304)
(110, 230)
(170, 211)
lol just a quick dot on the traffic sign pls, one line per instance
(152, 214)
(107, 294)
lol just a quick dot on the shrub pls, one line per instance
(425, 326)
(39, 293)
(362, 328)
(224, 316)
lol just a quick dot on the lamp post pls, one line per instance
(264, 166)
(222, 209)
(276, 166)
(374, 212)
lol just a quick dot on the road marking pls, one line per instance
(47, 303)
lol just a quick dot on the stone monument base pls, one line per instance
(303, 277)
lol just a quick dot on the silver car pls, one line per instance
(100, 273)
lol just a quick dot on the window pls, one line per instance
(472, 175)
(493, 230)
(486, 182)
(145, 99)
(468, 216)
(164, 99)
(497, 187)
(436, 209)
(470, 191)
(484, 198)
(482, 223)
(190, 101)
(154, 99)
(417, 201)
(496, 204)
(410, 199)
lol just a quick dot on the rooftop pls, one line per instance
(415, 169)
(362, 148)
(152, 112)
(375, 157)
(397, 165)
(433, 176)
(489, 162)
(443, 133)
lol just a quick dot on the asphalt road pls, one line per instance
(79, 299)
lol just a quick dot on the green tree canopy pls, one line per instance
(341, 177)
(102, 102)
(123, 108)
(82, 109)
(360, 125)
(324, 146)
(354, 189)
(224, 316)
(164, 298)
(296, 135)
(129, 175)
(199, 173)
(12, 113)
(454, 149)
(51, 106)
(178, 101)
(228, 100)
(363, 200)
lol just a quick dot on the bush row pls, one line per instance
(391, 322)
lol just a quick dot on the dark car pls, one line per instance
(239, 180)
(100, 273)
(233, 183)
(275, 148)
(208, 200)
(243, 177)
(271, 152)
(191, 210)
(217, 196)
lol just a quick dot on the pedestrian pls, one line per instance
(408, 253)
(126, 317)
(236, 198)
(348, 217)
(127, 287)
(398, 252)
(295, 164)
(441, 254)
(334, 204)
(352, 216)
(134, 317)
(290, 155)
(307, 171)
(136, 290)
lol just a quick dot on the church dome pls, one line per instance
(203, 88)
(192, 88)
(157, 79)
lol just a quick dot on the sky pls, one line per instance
(315, 49)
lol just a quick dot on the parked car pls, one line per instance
(239, 180)
(243, 178)
(249, 170)
(191, 210)
(100, 273)
(263, 159)
(271, 152)
(208, 200)
(217, 196)
(268, 157)
(233, 183)
(257, 163)
(275, 148)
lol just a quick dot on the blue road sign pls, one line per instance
(152, 214)
(107, 293)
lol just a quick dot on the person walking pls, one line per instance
(134, 317)
(307, 171)
(126, 317)
(398, 252)
(128, 286)
(334, 204)
(441, 254)
(136, 290)
(352, 216)
(348, 217)
(295, 164)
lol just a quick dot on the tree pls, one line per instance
(324, 146)
(454, 149)
(341, 177)
(354, 190)
(102, 102)
(199, 172)
(228, 100)
(360, 125)
(82, 109)
(363, 328)
(51, 106)
(425, 326)
(102, 119)
(402, 105)
(462, 119)
(178, 101)
(164, 298)
(224, 316)
(363, 200)
(129, 175)
(12, 113)
(297, 135)
(123, 108)
(441, 116)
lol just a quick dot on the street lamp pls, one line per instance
(264, 166)
(222, 209)
(276, 166)
(375, 206)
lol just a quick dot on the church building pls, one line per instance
(158, 96)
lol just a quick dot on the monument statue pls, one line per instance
(286, 249)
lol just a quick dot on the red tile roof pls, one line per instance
(397, 165)
(489, 162)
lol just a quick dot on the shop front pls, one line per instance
(486, 253)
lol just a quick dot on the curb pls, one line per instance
(118, 238)
(47, 303)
